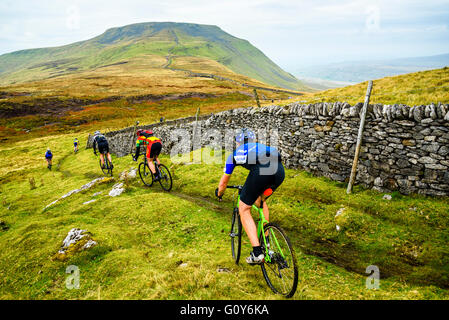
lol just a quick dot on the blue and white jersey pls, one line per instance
(48, 155)
(250, 156)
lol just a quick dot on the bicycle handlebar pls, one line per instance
(235, 187)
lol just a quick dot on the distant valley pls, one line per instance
(359, 71)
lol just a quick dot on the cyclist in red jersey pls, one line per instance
(154, 147)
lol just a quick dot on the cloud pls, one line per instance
(288, 31)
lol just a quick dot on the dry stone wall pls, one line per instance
(404, 148)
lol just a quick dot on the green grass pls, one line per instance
(416, 88)
(157, 245)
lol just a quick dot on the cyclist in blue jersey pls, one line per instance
(75, 145)
(266, 173)
(49, 158)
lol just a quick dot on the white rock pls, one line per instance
(84, 187)
(387, 197)
(117, 190)
(340, 211)
(132, 173)
(89, 244)
(73, 236)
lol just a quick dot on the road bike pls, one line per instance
(147, 177)
(279, 268)
(107, 167)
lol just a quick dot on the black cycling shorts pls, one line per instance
(103, 147)
(155, 150)
(256, 183)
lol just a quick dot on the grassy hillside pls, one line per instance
(136, 72)
(157, 245)
(124, 44)
(412, 89)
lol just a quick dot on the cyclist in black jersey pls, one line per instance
(103, 147)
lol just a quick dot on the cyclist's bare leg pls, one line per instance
(102, 159)
(151, 165)
(248, 223)
(266, 212)
(109, 157)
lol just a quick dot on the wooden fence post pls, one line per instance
(256, 96)
(359, 138)
(132, 137)
(196, 139)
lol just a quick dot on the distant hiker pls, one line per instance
(103, 147)
(49, 157)
(75, 144)
(162, 119)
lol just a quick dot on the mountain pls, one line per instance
(359, 71)
(165, 39)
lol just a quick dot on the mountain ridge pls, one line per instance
(157, 38)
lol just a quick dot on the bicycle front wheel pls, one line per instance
(165, 178)
(145, 174)
(236, 235)
(280, 268)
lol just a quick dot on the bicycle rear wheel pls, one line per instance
(105, 169)
(165, 178)
(280, 268)
(236, 235)
(109, 166)
(145, 174)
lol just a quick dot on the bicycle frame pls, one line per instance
(145, 160)
(261, 222)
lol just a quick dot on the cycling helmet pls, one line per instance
(139, 132)
(97, 132)
(245, 136)
(150, 132)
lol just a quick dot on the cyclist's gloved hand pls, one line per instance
(134, 158)
(216, 194)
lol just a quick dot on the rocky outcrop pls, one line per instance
(84, 187)
(75, 241)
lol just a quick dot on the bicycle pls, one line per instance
(162, 171)
(107, 168)
(279, 268)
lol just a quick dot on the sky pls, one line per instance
(292, 33)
